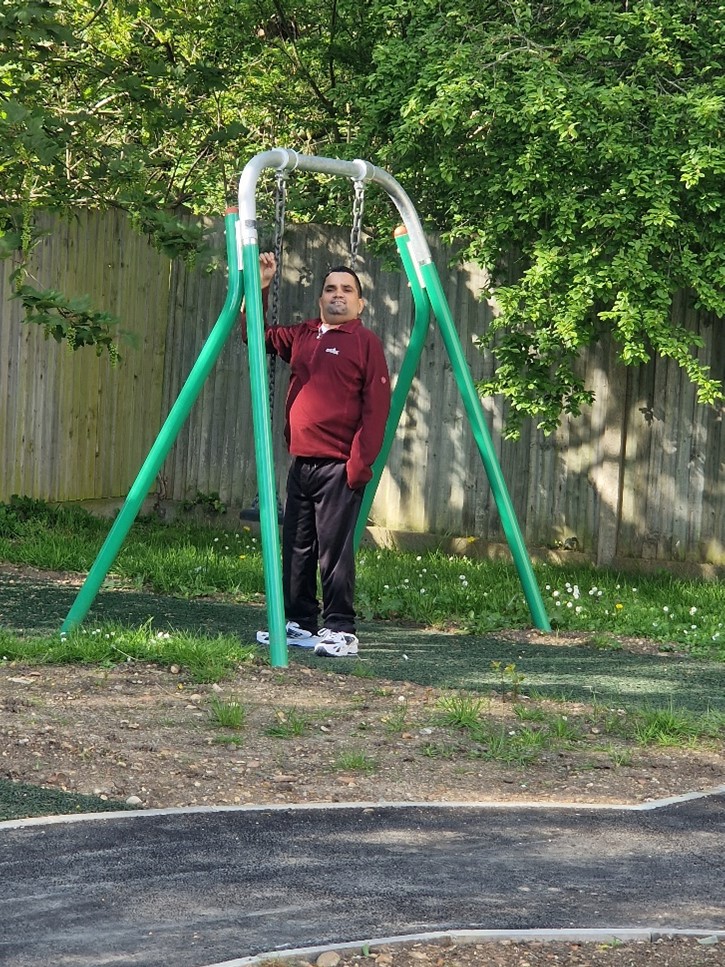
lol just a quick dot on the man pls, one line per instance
(337, 406)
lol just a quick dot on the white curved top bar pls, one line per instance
(283, 159)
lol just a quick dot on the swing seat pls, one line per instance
(252, 512)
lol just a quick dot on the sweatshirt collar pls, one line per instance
(349, 326)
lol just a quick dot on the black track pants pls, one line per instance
(319, 523)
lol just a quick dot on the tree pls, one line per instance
(585, 137)
(148, 105)
(573, 148)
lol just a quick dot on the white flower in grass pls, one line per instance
(666, 609)
(555, 594)
(579, 609)
(693, 611)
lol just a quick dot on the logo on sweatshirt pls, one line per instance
(331, 349)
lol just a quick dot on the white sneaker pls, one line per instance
(296, 637)
(336, 644)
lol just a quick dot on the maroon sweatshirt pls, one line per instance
(339, 393)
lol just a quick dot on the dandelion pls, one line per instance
(618, 606)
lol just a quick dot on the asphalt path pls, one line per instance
(190, 888)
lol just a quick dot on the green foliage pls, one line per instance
(227, 714)
(71, 320)
(148, 105)
(574, 149)
(584, 137)
(288, 724)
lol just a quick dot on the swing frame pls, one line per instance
(242, 243)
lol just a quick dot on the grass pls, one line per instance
(227, 714)
(288, 724)
(431, 590)
(355, 762)
(629, 701)
(207, 628)
(203, 658)
(461, 711)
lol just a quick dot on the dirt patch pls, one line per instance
(145, 733)
(310, 735)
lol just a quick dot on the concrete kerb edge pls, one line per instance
(462, 937)
(337, 806)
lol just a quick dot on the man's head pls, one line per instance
(341, 296)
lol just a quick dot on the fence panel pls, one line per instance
(639, 475)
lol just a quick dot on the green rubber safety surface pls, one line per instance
(19, 800)
(36, 606)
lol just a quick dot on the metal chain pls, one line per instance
(358, 207)
(280, 202)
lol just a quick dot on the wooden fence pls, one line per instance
(638, 476)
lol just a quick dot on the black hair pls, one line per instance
(348, 271)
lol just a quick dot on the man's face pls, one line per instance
(340, 301)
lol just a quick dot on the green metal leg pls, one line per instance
(402, 383)
(266, 488)
(167, 436)
(482, 437)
